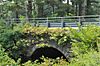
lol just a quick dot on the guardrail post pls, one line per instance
(37, 24)
(62, 23)
(80, 21)
(47, 23)
(99, 19)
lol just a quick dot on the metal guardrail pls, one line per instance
(71, 21)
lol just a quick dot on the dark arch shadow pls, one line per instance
(49, 52)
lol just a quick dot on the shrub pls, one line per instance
(91, 58)
(48, 62)
(5, 60)
(85, 39)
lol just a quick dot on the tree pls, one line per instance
(46, 8)
(94, 6)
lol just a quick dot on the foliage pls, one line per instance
(47, 62)
(59, 35)
(9, 38)
(46, 8)
(85, 39)
(91, 58)
(5, 60)
(84, 46)
(17, 37)
(42, 45)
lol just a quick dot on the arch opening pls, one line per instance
(49, 52)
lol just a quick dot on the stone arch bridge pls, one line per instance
(44, 45)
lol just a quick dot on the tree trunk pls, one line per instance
(53, 9)
(17, 13)
(17, 16)
(40, 10)
(29, 9)
(74, 8)
(77, 9)
(88, 7)
(68, 7)
(82, 8)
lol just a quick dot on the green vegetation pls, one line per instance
(5, 59)
(47, 8)
(15, 38)
(85, 44)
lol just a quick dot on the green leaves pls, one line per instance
(5, 59)
(84, 39)
(91, 58)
